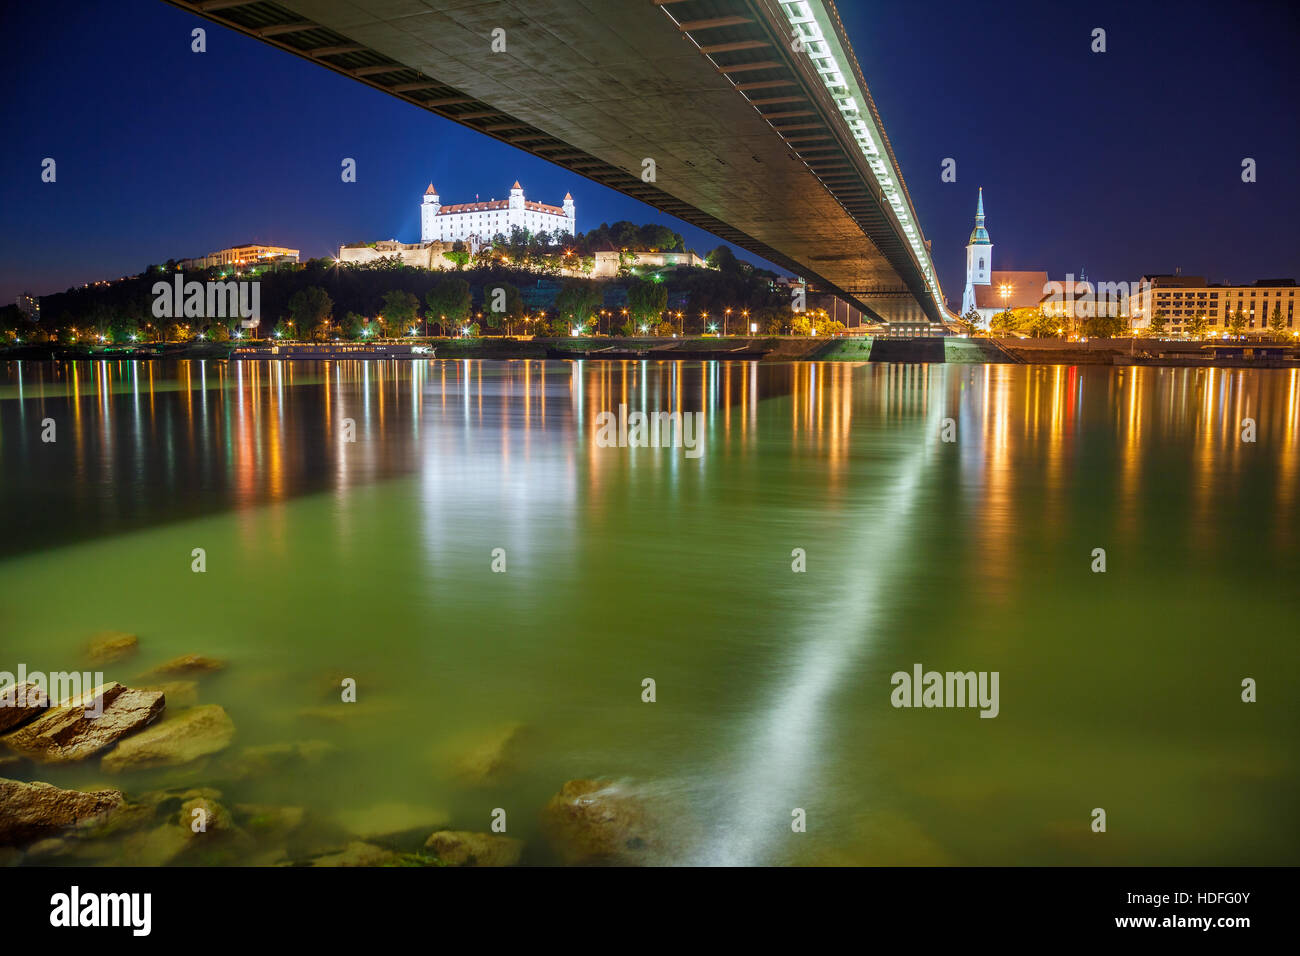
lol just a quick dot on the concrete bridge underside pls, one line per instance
(746, 140)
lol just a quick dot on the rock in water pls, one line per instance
(29, 811)
(268, 759)
(597, 821)
(67, 733)
(191, 734)
(358, 853)
(461, 848)
(184, 666)
(109, 646)
(20, 703)
(392, 822)
(489, 758)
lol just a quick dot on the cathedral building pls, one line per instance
(988, 291)
(460, 221)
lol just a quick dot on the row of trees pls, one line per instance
(1037, 324)
(448, 309)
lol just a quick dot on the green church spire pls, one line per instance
(979, 235)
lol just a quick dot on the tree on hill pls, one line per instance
(646, 300)
(399, 313)
(502, 303)
(577, 300)
(459, 255)
(449, 303)
(723, 259)
(311, 309)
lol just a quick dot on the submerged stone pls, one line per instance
(463, 848)
(189, 735)
(109, 646)
(490, 757)
(392, 822)
(185, 665)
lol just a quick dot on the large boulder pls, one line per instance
(599, 821)
(462, 848)
(86, 724)
(192, 734)
(29, 811)
(109, 646)
(20, 703)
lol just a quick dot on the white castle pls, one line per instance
(460, 221)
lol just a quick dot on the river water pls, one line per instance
(827, 537)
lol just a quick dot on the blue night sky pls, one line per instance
(1121, 163)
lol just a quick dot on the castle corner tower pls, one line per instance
(428, 215)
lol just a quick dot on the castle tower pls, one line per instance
(572, 213)
(428, 213)
(979, 258)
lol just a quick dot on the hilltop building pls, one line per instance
(249, 254)
(460, 221)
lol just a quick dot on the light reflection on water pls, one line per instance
(1119, 690)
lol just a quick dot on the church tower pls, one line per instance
(428, 213)
(979, 258)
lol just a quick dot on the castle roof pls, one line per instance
(516, 185)
(431, 191)
(474, 206)
(497, 204)
(568, 196)
(979, 235)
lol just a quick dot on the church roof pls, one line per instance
(1026, 290)
(979, 235)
